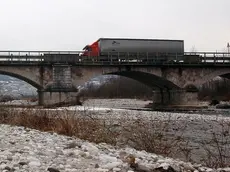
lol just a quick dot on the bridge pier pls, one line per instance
(57, 98)
(40, 98)
(61, 90)
(175, 97)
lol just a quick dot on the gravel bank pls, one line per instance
(27, 150)
(117, 103)
(199, 129)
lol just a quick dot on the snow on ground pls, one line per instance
(117, 103)
(196, 127)
(199, 125)
(27, 150)
(104, 112)
(20, 102)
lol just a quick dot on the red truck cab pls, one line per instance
(92, 50)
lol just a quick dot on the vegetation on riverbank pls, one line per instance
(160, 136)
(122, 87)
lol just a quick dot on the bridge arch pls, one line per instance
(148, 79)
(18, 76)
(224, 72)
(148, 76)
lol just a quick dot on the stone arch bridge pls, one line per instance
(58, 82)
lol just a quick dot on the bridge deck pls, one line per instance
(114, 58)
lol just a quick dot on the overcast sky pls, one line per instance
(71, 24)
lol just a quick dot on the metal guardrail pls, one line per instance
(114, 58)
(19, 57)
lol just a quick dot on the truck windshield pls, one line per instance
(87, 48)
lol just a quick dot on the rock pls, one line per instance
(34, 164)
(140, 168)
(176, 167)
(223, 106)
(188, 167)
(161, 169)
(111, 165)
(9, 158)
(50, 169)
(226, 169)
(59, 152)
(82, 154)
(106, 158)
(92, 149)
(12, 142)
(71, 145)
(7, 168)
(3, 166)
(116, 169)
(22, 163)
(196, 166)
(102, 170)
(164, 165)
(202, 169)
(61, 167)
(209, 170)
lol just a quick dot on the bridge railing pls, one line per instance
(159, 58)
(34, 56)
(210, 57)
(116, 58)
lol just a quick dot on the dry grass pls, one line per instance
(62, 123)
(217, 148)
(164, 137)
(152, 136)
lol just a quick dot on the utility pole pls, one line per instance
(228, 46)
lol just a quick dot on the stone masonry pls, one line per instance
(58, 83)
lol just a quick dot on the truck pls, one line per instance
(123, 48)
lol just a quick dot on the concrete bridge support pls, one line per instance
(57, 98)
(61, 90)
(175, 97)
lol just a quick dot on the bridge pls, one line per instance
(57, 74)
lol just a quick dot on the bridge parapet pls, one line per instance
(115, 58)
